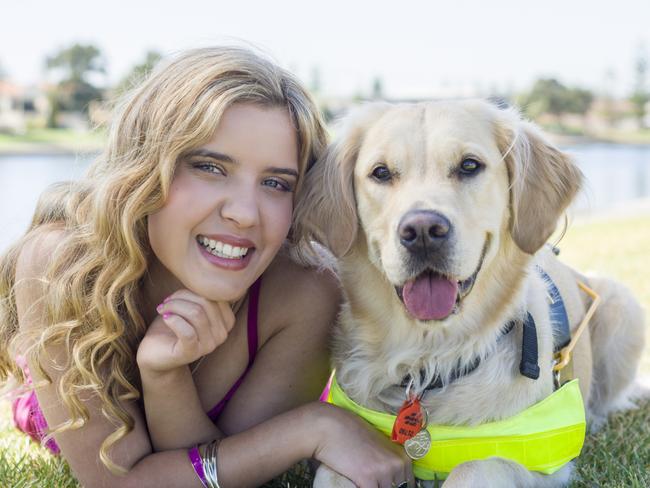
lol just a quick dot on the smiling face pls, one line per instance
(432, 199)
(230, 203)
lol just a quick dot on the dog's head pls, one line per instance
(432, 190)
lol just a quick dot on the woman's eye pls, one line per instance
(210, 168)
(382, 174)
(278, 184)
(469, 166)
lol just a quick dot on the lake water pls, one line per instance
(616, 174)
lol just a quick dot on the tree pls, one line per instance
(139, 71)
(609, 111)
(74, 66)
(578, 101)
(549, 96)
(640, 96)
(316, 83)
(545, 97)
(377, 88)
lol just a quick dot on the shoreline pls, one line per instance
(41, 149)
(579, 140)
(22, 148)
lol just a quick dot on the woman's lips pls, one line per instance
(232, 240)
(232, 264)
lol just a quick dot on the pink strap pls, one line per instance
(197, 464)
(27, 413)
(253, 299)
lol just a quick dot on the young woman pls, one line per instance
(175, 251)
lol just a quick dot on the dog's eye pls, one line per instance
(382, 173)
(469, 166)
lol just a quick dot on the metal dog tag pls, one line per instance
(417, 447)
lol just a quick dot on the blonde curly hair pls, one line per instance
(94, 281)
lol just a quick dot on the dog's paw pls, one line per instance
(327, 478)
(640, 390)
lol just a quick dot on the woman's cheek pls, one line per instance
(280, 218)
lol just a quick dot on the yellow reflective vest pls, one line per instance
(543, 438)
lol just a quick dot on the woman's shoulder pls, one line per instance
(37, 250)
(293, 292)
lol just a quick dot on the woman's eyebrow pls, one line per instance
(206, 153)
(283, 171)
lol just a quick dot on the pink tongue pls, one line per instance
(430, 297)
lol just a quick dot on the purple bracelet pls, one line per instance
(197, 464)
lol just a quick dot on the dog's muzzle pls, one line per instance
(433, 295)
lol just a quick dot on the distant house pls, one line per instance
(21, 107)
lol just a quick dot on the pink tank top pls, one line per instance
(28, 416)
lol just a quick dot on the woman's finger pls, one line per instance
(220, 316)
(193, 314)
(187, 345)
(406, 478)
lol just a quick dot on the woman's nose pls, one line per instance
(241, 207)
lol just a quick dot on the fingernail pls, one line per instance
(167, 299)
(159, 308)
(166, 315)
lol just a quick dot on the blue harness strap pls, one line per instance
(558, 313)
(559, 322)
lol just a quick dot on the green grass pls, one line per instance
(43, 140)
(617, 456)
(639, 136)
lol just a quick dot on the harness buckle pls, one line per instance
(556, 373)
(561, 358)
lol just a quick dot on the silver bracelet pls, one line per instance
(208, 454)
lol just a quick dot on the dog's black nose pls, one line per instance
(423, 230)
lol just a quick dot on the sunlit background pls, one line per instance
(578, 68)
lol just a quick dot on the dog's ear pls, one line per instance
(543, 180)
(326, 211)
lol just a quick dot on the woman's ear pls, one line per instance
(327, 212)
(543, 180)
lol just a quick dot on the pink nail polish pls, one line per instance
(167, 299)
(159, 308)
(166, 315)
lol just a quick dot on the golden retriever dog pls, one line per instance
(439, 214)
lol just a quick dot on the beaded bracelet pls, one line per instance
(197, 464)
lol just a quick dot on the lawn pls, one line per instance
(52, 141)
(617, 456)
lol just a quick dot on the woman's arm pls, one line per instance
(248, 458)
(80, 447)
(175, 417)
(290, 368)
(273, 412)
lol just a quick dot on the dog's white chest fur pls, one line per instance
(371, 373)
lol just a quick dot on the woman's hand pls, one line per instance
(188, 327)
(353, 448)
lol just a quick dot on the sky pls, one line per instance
(418, 48)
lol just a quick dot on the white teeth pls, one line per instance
(222, 250)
